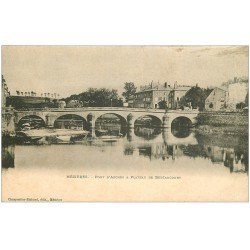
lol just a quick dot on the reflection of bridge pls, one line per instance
(90, 114)
(167, 137)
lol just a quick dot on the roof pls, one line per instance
(160, 88)
(220, 88)
(182, 88)
(214, 89)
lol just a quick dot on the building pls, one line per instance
(7, 114)
(237, 93)
(151, 96)
(61, 104)
(35, 94)
(176, 94)
(5, 92)
(217, 100)
(31, 99)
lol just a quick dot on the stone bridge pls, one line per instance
(90, 115)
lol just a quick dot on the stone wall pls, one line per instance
(8, 124)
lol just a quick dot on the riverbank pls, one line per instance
(218, 118)
(226, 129)
(228, 123)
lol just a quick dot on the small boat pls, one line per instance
(22, 137)
(35, 138)
(108, 138)
(50, 135)
(100, 132)
(63, 139)
(79, 138)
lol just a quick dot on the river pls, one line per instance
(221, 161)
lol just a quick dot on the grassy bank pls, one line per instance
(225, 129)
(228, 123)
(218, 118)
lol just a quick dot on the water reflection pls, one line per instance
(8, 156)
(180, 133)
(147, 133)
(157, 144)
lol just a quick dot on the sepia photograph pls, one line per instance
(125, 123)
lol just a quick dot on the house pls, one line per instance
(151, 96)
(217, 100)
(237, 93)
(176, 94)
(5, 92)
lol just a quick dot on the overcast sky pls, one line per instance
(72, 69)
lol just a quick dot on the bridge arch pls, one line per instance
(147, 126)
(111, 122)
(71, 121)
(35, 121)
(181, 121)
(146, 119)
(121, 117)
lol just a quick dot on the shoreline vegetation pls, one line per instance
(224, 129)
(226, 123)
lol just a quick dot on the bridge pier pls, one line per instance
(131, 121)
(131, 134)
(166, 121)
(49, 120)
(91, 122)
(166, 134)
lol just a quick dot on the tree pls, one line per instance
(3, 80)
(130, 90)
(162, 105)
(240, 105)
(207, 91)
(246, 100)
(97, 98)
(196, 96)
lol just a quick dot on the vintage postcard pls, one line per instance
(124, 123)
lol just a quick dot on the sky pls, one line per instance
(72, 69)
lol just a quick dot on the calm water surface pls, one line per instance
(142, 150)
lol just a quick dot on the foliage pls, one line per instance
(20, 102)
(130, 90)
(3, 80)
(74, 104)
(246, 100)
(196, 96)
(162, 105)
(94, 97)
(240, 105)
